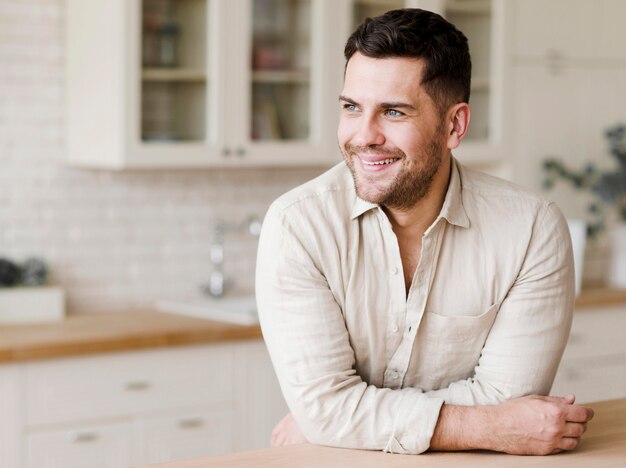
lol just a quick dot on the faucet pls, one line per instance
(218, 282)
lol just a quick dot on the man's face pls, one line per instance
(391, 133)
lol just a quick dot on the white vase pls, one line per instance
(617, 270)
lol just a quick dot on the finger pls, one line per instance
(574, 429)
(578, 414)
(569, 399)
(568, 443)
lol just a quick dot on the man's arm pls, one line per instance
(533, 425)
(525, 344)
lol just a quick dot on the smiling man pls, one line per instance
(408, 302)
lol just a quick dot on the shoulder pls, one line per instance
(486, 192)
(331, 192)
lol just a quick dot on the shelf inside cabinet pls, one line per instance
(173, 74)
(280, 76)
(469, 7)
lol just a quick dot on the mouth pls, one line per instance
(377, 165)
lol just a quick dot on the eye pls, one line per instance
(393, 113)
(349, 107)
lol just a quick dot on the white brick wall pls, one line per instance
(113, 240)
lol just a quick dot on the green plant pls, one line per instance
(33, 272)
(608, 187)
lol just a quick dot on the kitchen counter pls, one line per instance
(604, 445)
(90, 333)
(82, 334)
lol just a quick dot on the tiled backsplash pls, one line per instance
(113, 240)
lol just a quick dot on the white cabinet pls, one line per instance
(485, 23)
(189, 434)
(568, 85)
(130, 408)
(11, 416)
(200, 83)
(93, 446)
(262, 397)
(594, 363)
(569, 29)
(204, 83)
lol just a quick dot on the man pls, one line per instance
(409, 303)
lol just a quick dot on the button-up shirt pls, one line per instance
(363, 364)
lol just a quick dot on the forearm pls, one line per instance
(532, 425)
(462, 428)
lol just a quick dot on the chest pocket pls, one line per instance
(448, 347)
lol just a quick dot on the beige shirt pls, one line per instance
(363, 365)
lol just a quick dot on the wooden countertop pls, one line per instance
(604, 445)
(90, 333)
(82, 334)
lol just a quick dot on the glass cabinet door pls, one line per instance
(476, 19)
(174, 82)
(281, 70)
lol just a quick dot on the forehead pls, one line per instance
(383, 79)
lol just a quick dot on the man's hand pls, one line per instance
(287, 432)
(531, 425)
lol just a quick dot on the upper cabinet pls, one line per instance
(590, 30)
(201, 83)
(483, 22)
(204, 83)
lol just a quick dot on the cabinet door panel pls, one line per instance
(264, 402)
(10, 416)
(128, 383)
(105, 446)
(188, 434)
(586, 29)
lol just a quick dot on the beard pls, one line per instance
(411, 183)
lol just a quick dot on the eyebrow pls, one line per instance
(382, 105)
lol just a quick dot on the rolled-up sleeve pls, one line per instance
(524, 347)
(309, 345)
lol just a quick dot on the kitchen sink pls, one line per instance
(238, 310)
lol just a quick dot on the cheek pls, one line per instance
(344, 131)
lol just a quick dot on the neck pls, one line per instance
(420, 216)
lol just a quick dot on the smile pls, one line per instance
(379, 163)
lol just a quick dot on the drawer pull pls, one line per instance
(190, 423)
(137, 386)
(80, 437)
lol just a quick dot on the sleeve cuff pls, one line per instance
(415, 424)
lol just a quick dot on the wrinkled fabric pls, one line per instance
(364, 365)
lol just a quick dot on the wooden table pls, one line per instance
(604, 445)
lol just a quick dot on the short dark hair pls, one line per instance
(420, 34)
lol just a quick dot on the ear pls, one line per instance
(458, 119)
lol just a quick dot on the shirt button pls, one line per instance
(394, 328)
(395, 375)
(394, 271)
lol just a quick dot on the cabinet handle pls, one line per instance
(191, 423)
(137, 385)
(225, 152)
(78, 437)
(241, 151)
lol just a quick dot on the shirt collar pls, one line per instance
(452, 209)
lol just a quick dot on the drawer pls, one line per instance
(185, 434)
(130, 383)
(597, 333)
(100, 446)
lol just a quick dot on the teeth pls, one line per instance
(378, 163)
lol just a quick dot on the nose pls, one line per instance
(369, 132)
